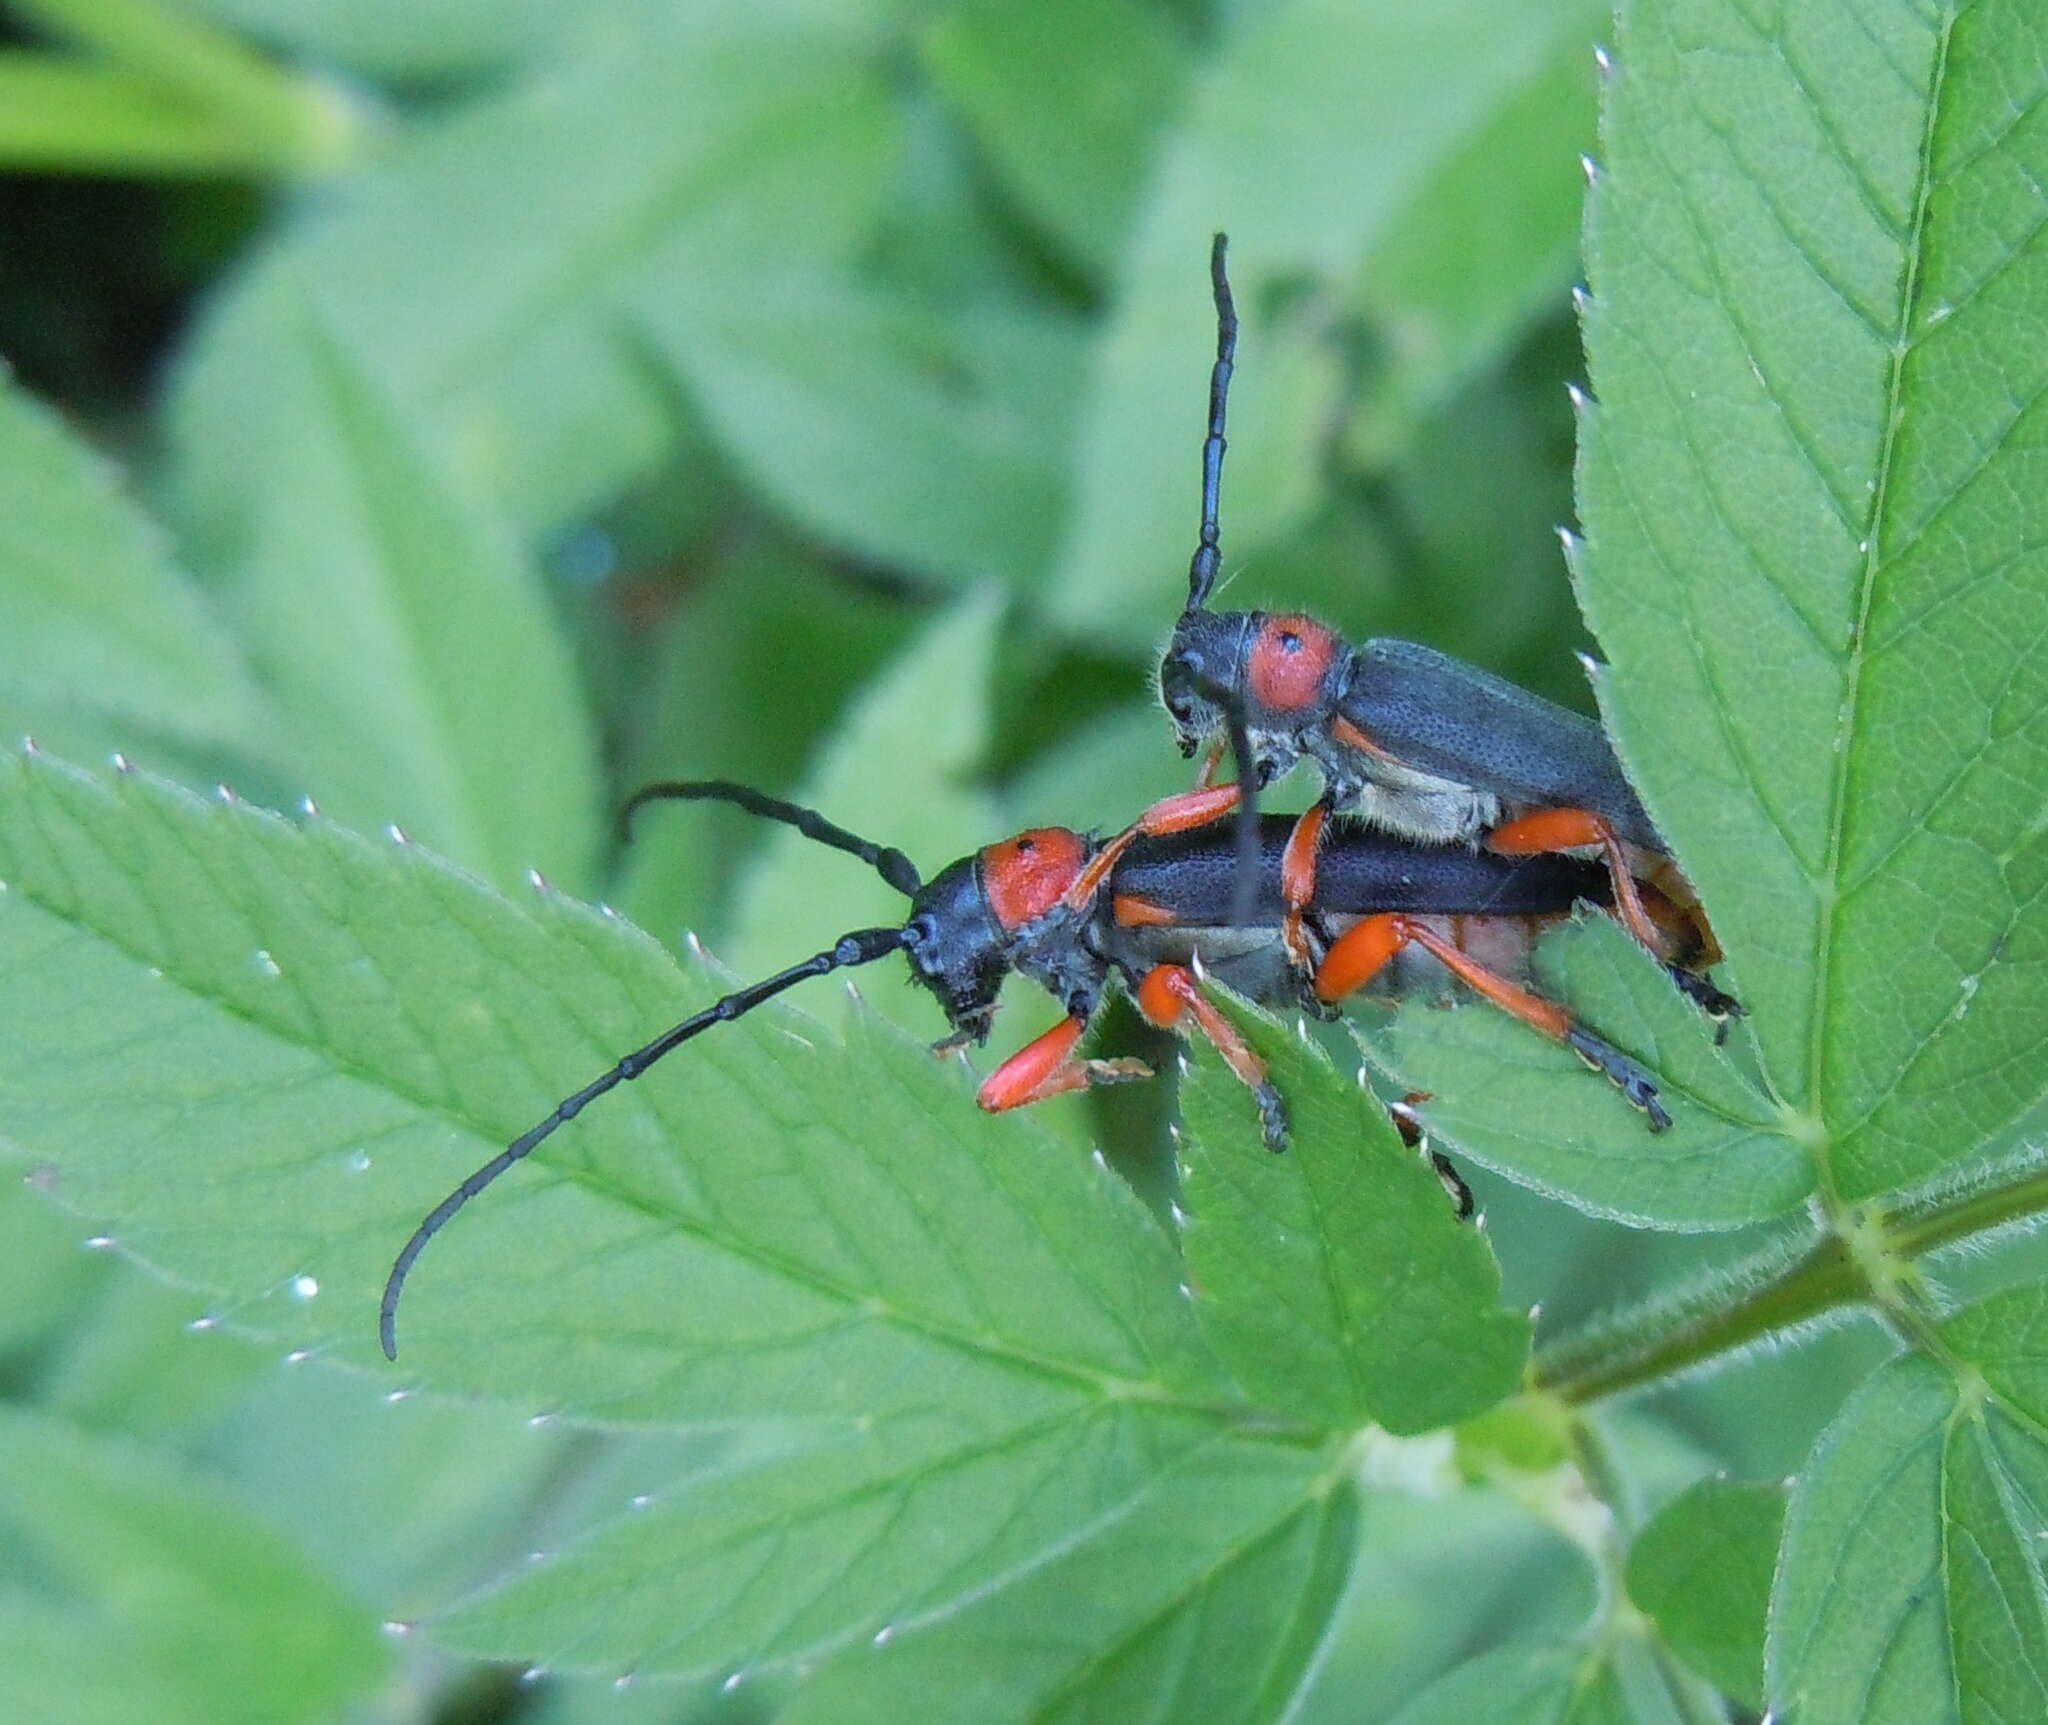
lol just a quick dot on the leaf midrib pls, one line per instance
(1828, 883)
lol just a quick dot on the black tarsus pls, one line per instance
(888, 862)
(1712, 1001)
(1462, 1202)
(863, 946)
(1208, 558)
(1623, 1073)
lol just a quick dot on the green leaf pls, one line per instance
(1076, 164)
(396, 40)
(64, 114)
(1489, 239)
(487, 259)
(897, 770)
(44, 1275)
(1911, 1586)
(768, 1565)
(2005, 1336)
(721, 702)
(1525, 1685)
(1439, 1573)
(1098, 775)
(1814, 544)
(57, 1662)
(1473, 497)
(327, 1033)
(190, 1609)
(1701, 1568)
(277, 121)
(147, 1359)
(419, 676)
(1511, 1099)
(404, 1501)
(603, 1701)
(98, 616)
(1276, 146)
(1206, 1603)
(978, 1337)
(934, 441)
(1334, 1279)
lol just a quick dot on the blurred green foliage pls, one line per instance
(457, 415)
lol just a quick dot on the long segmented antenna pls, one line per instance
(1202, 571)
(891, 864)
(1202, 567)
(863, 946)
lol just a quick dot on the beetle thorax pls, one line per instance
(1289, 672)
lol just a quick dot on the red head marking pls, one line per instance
(1026, 876)
(1290, 657)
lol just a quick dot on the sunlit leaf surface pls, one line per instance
(1814, 538)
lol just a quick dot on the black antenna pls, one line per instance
(1244, 897)
(1207, 559)
(1202, 571)
(863, 946)
(891, 864)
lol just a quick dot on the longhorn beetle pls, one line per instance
(1143, 910)
(1415, 741)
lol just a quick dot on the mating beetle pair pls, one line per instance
(1073, 912)
(1436, 755)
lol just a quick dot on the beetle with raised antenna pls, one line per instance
(1416, 742)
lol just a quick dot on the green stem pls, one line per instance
(1862, 1260)
(176, 67)
(1928, 1228)
(1670, 1336)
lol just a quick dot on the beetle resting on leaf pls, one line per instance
(1149, 910)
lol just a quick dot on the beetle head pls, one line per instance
(957, 948)
(978, 920)
(1202, 674)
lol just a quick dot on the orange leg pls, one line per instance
(1212, 763)
(1045, 1066)
(1173, 814)
(1368, 946)
(1169, 994)
(1298, 882)
(1567, 829)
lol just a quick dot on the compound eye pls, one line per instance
(1178, 682)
